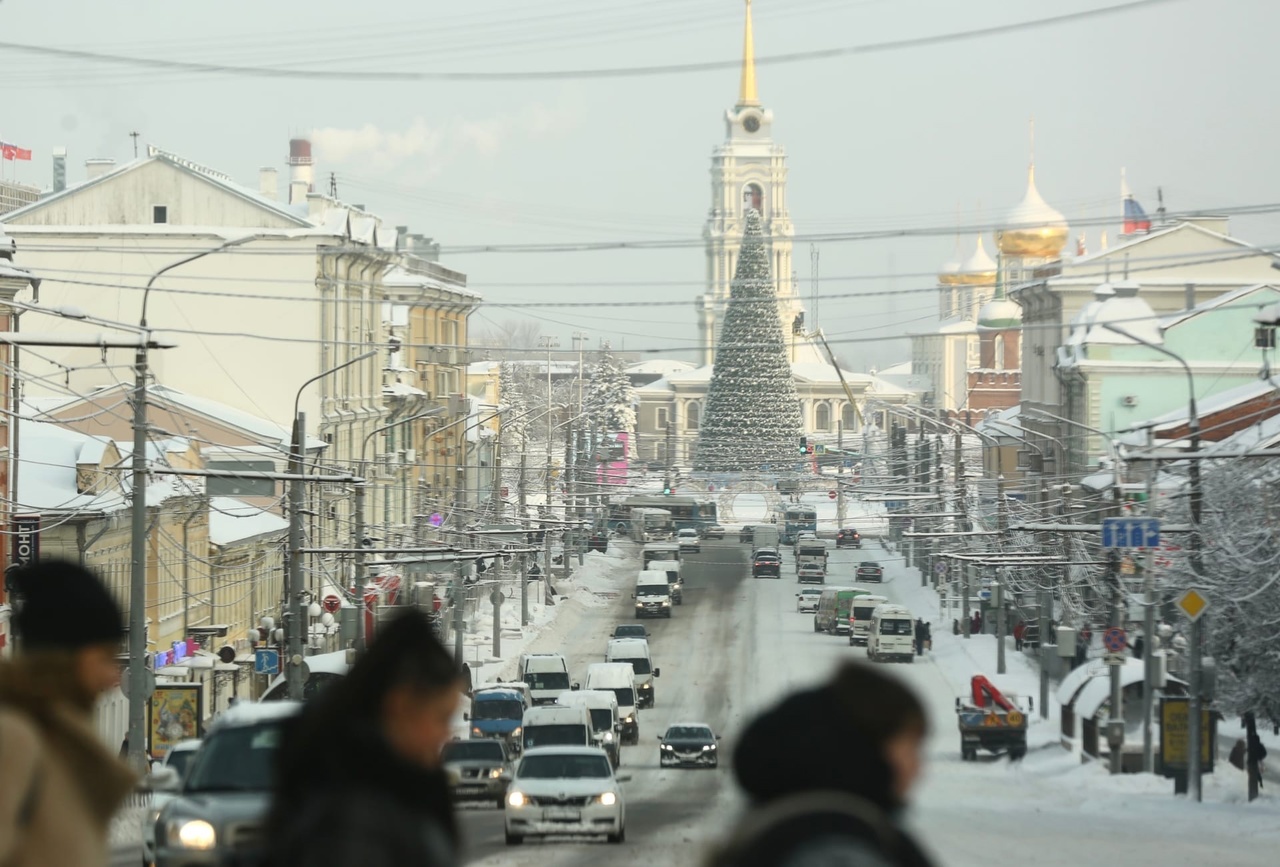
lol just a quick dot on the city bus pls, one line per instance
(797, 520)
(685, 511)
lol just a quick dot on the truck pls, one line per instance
(991, 721)
(811, 551)
(764, 536)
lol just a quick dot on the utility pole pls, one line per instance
(524, 558)
(1001, 624)
(457, 613)
(548, 343)
(841, 506)
(1115, 725)
(1149, 630)
(495, 599)
(1046, 604)
(358, 569)
(498, 506)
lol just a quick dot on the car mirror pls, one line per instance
(659, 737)
(163, 780)
(466, 717)
(575, 687)
(657, 672)
(633, 596)
(625, 778)
(719, 738)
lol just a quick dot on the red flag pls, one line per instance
(8, 151)
(23, 153)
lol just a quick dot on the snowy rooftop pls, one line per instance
(660, 366)
(1220, 402)
(232, 521)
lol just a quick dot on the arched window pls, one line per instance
(822, 417)
(753, 197)
(999, 338)
(693, 416)
(848, 418)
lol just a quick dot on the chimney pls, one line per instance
(267, 183)
(96, 168)
(401, 231)
(301, 172)
(59, 169)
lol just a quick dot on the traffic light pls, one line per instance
(804, 445)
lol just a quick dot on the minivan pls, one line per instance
(833, 609)
(606, 726)
(635, 652)
(892, 634)
(497, 712)
(547, 675)
(557, 726)
(653, 595)
(619, 679)
(860, 617)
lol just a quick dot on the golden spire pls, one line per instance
(747, 94)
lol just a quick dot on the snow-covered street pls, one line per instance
(738, 644)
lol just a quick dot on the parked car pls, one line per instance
(807, 599)
(746, 534)
(478, 770)
(869, 570)
(629, 630)
(218, 815)
(166, 779)
(766, 563)
(811, 573)
(561, 791)
(713, 531)
(848, 538)
(688, 540)
(689, 745)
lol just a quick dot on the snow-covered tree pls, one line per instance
(752, 419)
(610, 398)
(512, 394)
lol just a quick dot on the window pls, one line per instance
(693, 416)
(822, 417)
(999, 351)
(159, 213)
(848, 418)
(662, 418)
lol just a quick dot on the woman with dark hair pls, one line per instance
(359, 777)
(808, 811)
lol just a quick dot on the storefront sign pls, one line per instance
(26, 539)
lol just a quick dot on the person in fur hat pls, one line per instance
(59, 783)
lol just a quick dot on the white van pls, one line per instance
(892, 634)
(635, 652)
(557, 726)
(653, 595)
(619, 679)
(860, 616)
(602, 705)
(547, 675)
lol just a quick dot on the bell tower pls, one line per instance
(747, 171)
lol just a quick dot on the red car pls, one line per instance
(848, 538)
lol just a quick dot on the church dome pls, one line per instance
(999, 314)
(977, 270)
(951, 270)
(1040, 231)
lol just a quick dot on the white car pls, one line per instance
(807, 599)
(565, 791)
(689, 540)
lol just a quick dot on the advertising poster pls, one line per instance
(176, 712)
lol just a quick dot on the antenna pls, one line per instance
(134, 135)
(333, 185)
(1160, 212)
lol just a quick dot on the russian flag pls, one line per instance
(13, 152)
(1135, 219)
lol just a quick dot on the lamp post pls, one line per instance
(1196, 500)
(548, 343)
(138, 536)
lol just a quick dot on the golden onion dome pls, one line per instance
(977, 270)
(951, 270)
(1037, 230)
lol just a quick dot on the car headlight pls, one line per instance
(495, 773)
(639, 604)
(516, 799)
(668, 747)
(517, 731)
(608, 799)
(608, 737)
(191, 834)
(708, 747)
(666, 601)
(475, 730)
(629, 719)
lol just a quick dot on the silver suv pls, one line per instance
(217, 817)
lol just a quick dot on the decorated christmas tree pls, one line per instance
(752, 417)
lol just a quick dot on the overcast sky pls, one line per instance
(1180, 93)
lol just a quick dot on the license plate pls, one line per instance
(470, 790)
(562, 814)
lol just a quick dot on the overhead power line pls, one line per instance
(571, 74)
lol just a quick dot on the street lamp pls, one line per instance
(1196, 497)
(138, 696)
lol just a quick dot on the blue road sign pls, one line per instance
(266, 660)
(1131, 532)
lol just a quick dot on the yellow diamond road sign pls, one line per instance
(1193, 604)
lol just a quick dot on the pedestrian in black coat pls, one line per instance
(359, 780)
(919, 637)
(844, 813)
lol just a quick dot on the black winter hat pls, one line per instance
(64, 607)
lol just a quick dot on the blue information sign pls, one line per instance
(1131, 532)
(266, 660)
